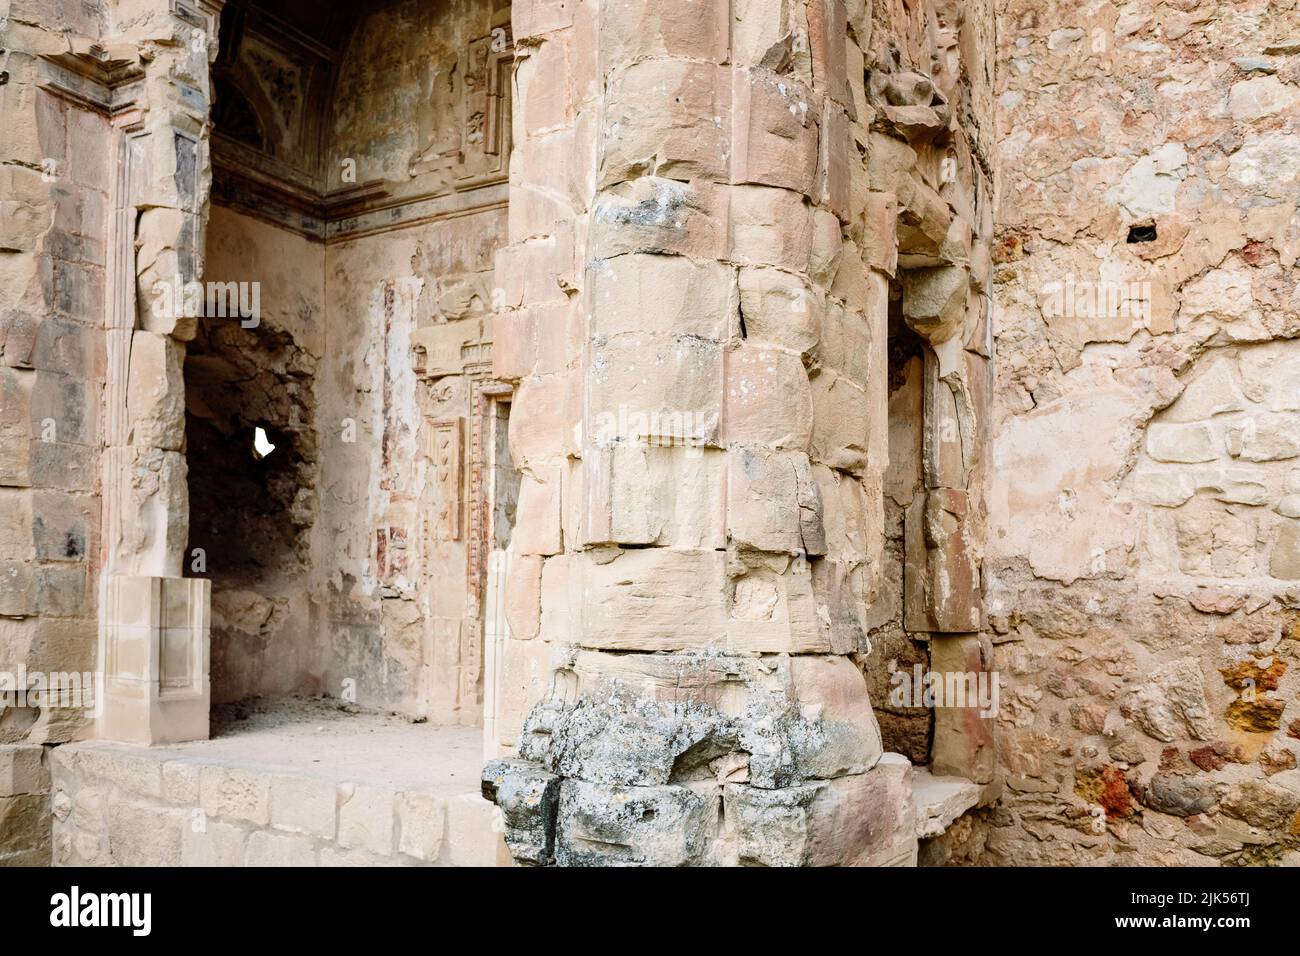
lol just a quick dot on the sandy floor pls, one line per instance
(318, 738)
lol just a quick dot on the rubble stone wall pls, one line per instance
(1141, 558)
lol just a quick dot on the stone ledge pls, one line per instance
(941, 800)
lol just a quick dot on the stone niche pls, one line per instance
(338, 443)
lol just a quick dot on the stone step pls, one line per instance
(268, 800)
(940, 800)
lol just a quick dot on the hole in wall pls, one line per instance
(1145, 232)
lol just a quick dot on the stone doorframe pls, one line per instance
(153, 624)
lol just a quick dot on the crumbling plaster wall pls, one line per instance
(1142, 557)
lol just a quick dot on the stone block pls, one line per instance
(474, 833)
(964, 744)
(304, 805)
(667, 118)
(934, 301)
(775, 137)
(155, 394)
(603, 825)
(422, 824)
(25, 830)
(770, 227)
(143, 835)
(235, 793)
(23, 770)
(654, 215)
(537, 522)
(773, 503)
(528, 797)
(842, 420)
(366, 817)
(213, 844)
(279, 849)
(643, 599)
(644, 493)
(1186, 443)
(524, 596)
(671, 295)
(768, 400)
(631, 31)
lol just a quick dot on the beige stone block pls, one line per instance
(541, 79)
(1264, 438)
(545, 410)
(180, 782)
(779, 308)
(524, 596)
(525, 679)
(964, 743)
(22, 770)
(773, 504)
(775, 136)
(662, 294)
(535, 18)
(662, 378)
(143, 835)
(1214, 390)
(631, 31)
(235, 794)
(303, 805)
(16, 426)
(133, 772)
(648, 598)
(837, 162)
(535, 271)
(773, 612)
(770, 227)
(650, 214)
(762, 33)
(537, 521)
(279, 849)
(1284, 560)
(1170, 442)
(213, 844)
(668, 118)
(156, 392)
(422, 824)
(841, 422)
(366, 817)
(643, 493)
(827, 247)
(934, 301)
(474, 835)
(769, 401)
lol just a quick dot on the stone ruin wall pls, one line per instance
(1139, 554)
(1141, 562)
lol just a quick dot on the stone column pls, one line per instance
(700, 421)
(154, 624)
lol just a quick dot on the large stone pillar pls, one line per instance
(698, 342)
